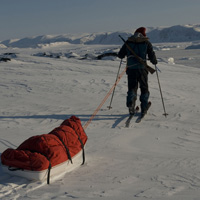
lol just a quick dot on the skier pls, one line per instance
(137, 72)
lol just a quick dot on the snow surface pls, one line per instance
(157, 159)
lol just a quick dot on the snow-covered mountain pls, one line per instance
(177, 33)
(39, 41)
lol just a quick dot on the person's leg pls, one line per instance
(132, 92)
(144, 97)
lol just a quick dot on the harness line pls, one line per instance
(104, 100)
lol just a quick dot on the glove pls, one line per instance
(155, 62)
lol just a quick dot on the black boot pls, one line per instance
(131, 107)
(131, 110)
(144, 110)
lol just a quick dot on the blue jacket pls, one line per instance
(142, 47)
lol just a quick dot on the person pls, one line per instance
(136, 72)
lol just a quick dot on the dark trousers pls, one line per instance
(137, 78)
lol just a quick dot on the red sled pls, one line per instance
(49, 155)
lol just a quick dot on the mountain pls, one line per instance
(177, 33)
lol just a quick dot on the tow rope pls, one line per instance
(104, 100)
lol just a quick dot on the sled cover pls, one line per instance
(43, 151)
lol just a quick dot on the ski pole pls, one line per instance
(165, 114)
(158, 69)
(115, 85)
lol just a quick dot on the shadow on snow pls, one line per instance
(84, 118)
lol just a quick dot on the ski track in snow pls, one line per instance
(156, 159)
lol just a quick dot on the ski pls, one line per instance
(139, 119)
(127, 123)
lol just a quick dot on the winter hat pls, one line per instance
(141, 30)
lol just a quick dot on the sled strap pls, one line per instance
(82, 145)
(48, 175)
(67, 150)
(49, 168)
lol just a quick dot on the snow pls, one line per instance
(155, 159)
(195, 46)
(171, 60)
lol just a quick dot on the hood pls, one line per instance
(137, 38)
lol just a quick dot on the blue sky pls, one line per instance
(24, 18)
